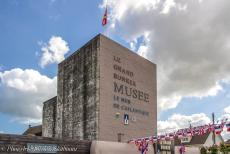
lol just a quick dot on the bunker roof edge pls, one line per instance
(98, 36)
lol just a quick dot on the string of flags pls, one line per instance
(142, 143)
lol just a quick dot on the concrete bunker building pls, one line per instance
(104, 92)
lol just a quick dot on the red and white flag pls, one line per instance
(154, 138)
(201, 131)
(196, 131)
(162, 137)
(211, 128)
(189, 132)
(147, 139)
(218, 129)
(179, 134)
(171, 136)
(104, 20)
(143, 147)
(228, 127)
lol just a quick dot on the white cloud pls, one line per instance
(178, 121)
(188, 40)
(225, 134)
(23, 92)
(226, 115)
(167, 6)
(227, 110)
(54, 51)
(1, 132)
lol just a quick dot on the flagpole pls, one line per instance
(105, 18)
(213, 132)
(155, 151)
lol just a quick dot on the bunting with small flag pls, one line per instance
(201, 131)
(143, 147)
(228, 127)
(154, 138)
(218, 129)
(142, 143)
(171, 136)
(189, 132)
(180, 134)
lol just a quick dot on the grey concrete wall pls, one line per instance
(78, 94)
(49, 117)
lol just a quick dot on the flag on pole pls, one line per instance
(147, 139)
(104, 20)
(211, 128)
(201, 131)
(167, 138)
(228, 126)
(162, 137)
(143, 147)
(154, 138)
(171, 136)
(218, 129)
(189, 133)
(179, 134)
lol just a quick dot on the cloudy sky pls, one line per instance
(189, 40)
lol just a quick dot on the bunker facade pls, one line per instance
(105, 92)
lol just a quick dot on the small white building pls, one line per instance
(194, 143)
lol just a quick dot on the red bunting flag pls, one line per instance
(142, 143)
(179, 135)
(154, 138)
(162, 137)
(228, 126)
(104, 20)
(143, 147)
(202, 131)
(211, 128)
(218, 129)
(171, 136)
(189, 133)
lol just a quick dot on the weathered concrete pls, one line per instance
(98, 86)
(49, 117)
(78, 94)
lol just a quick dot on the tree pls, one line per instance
(203, 150)
(213, 149)
(224, 148)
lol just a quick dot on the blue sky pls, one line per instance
(28, 25)
(25, 23)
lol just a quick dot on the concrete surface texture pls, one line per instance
(105, 92)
